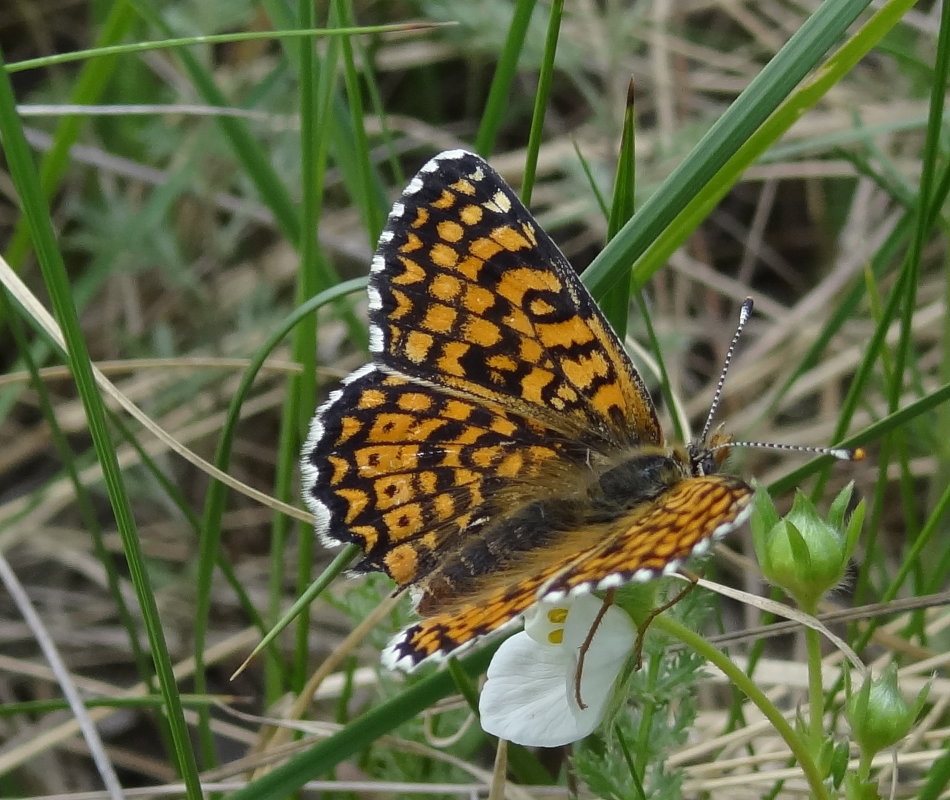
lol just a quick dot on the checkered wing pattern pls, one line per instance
(500, 447)
(407, 471)
(648, 541)
(466, 291)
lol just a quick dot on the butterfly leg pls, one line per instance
(608, 600)
(643, 626)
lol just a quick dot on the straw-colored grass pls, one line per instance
(166, 214)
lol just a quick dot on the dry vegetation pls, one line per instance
(181, 266)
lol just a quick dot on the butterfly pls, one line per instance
(500, 447)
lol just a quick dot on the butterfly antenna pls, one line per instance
(744, 313)
(841, 453)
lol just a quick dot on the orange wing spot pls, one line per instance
(530, 351)
(446, 200)
(399, 427)
(470, 267)
(412, 243)
(573, 331)
(463, 186)
(515, 282)
(584, 370)
(415, 402)
(484, 248)
(348, 427)
(717, 505)
(423, 429)
(445, 287)
(566, 394)
(468, 435)
(418, 345)
(450, 231)
(485, 457)
(382, 459)
(371, 398)
(388, 428)
(439, 318)
(443, 256)
(540, 307)
(403, 307)
(502, 426)
(392, 491)
(367, 534)
(402, 564)
(510, 239)
(539, 453)
(422, 217)
(471, 215)
(608, 397)
(511, 466)
(448, 361)
(482, 332)
(426, 482)
(457, 410)
(502, 362)
(518, 321)
(340, 469)
(444, 506)
(578, 373)
(404, 521)
(465, 476)
(534, 383)
(357, 500)
(478, 299)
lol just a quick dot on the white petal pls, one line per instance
(526, 700)
(607, 653)
(530, 697)
(544, 622)
(615, 634)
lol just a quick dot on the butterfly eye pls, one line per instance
(706, 462)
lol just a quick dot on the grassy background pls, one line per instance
(176, 207)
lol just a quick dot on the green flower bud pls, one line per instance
(804, 554)
(878, 713)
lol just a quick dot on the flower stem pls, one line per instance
(742, 681)
(816, 691)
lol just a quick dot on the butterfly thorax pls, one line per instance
(644, 474)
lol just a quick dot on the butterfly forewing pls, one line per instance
(467, 291)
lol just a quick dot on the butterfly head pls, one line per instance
(706, 457)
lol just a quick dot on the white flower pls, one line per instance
(530, 697)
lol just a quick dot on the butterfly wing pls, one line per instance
(464, 459)
(407, 471)
(466, 291)
(650, 540)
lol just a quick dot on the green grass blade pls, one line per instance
(497, 102)
(616, 305)
(359, 733)
(90, 84)
(34, 209)
(541, 98)
(689, 184)
(245, 145)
